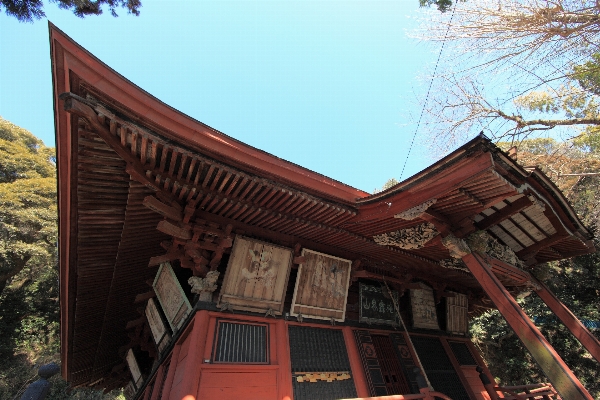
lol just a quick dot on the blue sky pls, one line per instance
(330, 85)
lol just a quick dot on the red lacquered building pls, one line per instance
(194, 266)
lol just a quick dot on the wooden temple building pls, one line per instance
(194, 266)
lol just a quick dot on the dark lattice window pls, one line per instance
(438, 367)
(462, 353)
(241, 343)
(319, 350)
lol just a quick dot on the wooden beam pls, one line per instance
(174, 230)
(143, 297)
(504, 213)
(536, 247)
(573, 323)
(163, 209)
(438, 220)
(447, 180)
(549, 361)
(369, 275)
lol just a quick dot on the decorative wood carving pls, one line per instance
(134, 368)
(322, 376)
(321, 287)
(423, 308)
(458, 248)
(377, 306)
(171, 297)
(457, 317)
(159, 330)
(415, 212)
(204, 287)
(454, 263)
(256, 276)
(410, 238)
(483, 243)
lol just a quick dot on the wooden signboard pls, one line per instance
(157, 326)
(375, 307)
(423, 308)
(171, 297)
(134, 368)
(257, 276)
(457, 318)
(321, 287)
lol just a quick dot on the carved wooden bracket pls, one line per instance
(458, 248)
(410, 238)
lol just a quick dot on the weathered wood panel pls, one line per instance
(457, 318)
(423, 308)
(134, 368)
(171, 297)
(257, 276)
(321, 286)
(377, 306)
(157, 326)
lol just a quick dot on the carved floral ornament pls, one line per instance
(410, 238)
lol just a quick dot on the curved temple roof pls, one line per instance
(118, 146)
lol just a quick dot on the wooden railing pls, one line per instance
(543, 391)
(537, 391)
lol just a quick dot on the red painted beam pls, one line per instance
(441, 183)
(582, 334)
(549, 361)
(505, 213)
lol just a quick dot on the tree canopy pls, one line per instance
(29, 10)
(517, 68)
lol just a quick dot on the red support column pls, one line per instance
(193, 363)
(158, 381)
(553, 366)
(284, 373)
(171, 374)
(582, 334)
(362, 389)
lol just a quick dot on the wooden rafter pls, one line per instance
(504, 213)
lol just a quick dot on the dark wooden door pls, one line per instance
(394, 378)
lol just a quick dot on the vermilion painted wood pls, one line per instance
(193, 363)
(549, 361)
(284, 374)
(171, 374)
(358, 374)
(582, 334)
(158, 382)
(447, 180)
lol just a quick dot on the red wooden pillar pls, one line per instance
(362, 389)
(171, 374)
(158, 381)
(285, 388)
(553, 366)
(582, 334)
(193, 362)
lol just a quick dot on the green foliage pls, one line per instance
(588, 74)
(29, 292)
(442, 5)
(27, 203)
(388, 184)
(28, 10)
